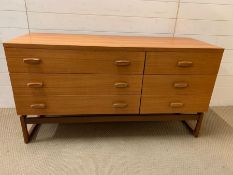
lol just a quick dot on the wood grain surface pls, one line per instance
(92, 74)
(74, 61)
(174, 104)
(75, 84)
(65, 105)
(45, 40)
(168, 63)
(159, 85)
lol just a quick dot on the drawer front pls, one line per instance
(166, 85)
(182, 63)
(74, 61)
(65, 105)
(75, 84)
(174, 104)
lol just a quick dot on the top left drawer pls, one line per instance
(74, 61)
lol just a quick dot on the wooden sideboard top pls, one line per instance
(140, 43)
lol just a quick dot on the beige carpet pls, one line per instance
(164, 148)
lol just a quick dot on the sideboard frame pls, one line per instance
(42, 119)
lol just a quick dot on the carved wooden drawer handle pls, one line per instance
(38, 106)
(121, 84)
(180, 85)
(35, 85)
(119, 105)
(184, 63)
(176, 104)
(122, 62)
(31, 60)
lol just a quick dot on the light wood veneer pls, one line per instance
(75, 84)
(107, 42)
(63, 74)
(71, 105)
(171, 85)
(155, 72)
(74, 61)
(182, 62)
(174, 104)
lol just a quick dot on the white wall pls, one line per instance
(208, 20)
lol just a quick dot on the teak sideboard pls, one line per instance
(65, 78)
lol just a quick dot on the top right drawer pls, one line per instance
(182, 62)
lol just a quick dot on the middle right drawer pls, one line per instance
(167, 85)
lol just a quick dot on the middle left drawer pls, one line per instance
(75, 84)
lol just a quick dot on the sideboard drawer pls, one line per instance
(182, 62)
(74, 61)
(75, 84)
(65, 105)
(158, 85)
(174, 104)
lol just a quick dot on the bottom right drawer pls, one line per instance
(174, 104)
(176, 93)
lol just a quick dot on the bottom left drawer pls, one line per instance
(71, 105)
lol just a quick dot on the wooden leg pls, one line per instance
(24, 128)
(197, 128)
(27, 135)
(198, 125)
